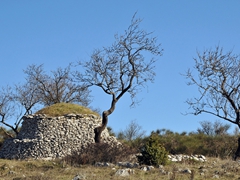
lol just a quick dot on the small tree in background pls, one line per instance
(6, 105)
(15, 102)
(213, 129)
(133, 135)
(57, 87)
(39, 89)
(133, 131)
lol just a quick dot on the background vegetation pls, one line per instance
(210, 139)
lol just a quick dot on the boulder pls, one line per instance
(124, 172)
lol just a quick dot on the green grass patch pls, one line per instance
(61, 109)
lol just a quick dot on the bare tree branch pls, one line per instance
(218, 82)
(39, 89)
(60, 87)
(122, 68)
(15, 103)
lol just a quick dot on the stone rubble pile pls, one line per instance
(130, 165)
(172, 158)
(181, 157)
(44, 137)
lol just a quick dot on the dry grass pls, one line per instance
(61, 109)
(59, 170)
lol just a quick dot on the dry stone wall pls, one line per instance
(44, 137)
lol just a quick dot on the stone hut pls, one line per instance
(46, 137)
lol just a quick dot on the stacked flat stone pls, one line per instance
(45, 137)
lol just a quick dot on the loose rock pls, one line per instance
(124, 172)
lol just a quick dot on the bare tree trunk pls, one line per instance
(237, 153)
(98, 130)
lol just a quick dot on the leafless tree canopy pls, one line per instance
(132, 131)
(15, 102)
(213, 129)
(39, 89)
(6, 105)
(218, 80)
(59, 87)
(124, 67)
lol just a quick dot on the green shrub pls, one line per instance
(153, 153)
(221, 146)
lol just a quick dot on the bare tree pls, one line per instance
(6, 105)
(58, 87)
(206, 128)
(213, 129)
(122, 68)
(132, 131)
(39, 89)
(15, 102)
(218, 83)
(220, 128)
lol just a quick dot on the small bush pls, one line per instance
(153, 153)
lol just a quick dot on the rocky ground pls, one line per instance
(211, 168)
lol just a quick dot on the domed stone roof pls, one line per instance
(61, 109)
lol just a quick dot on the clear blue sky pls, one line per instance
(57, 32)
